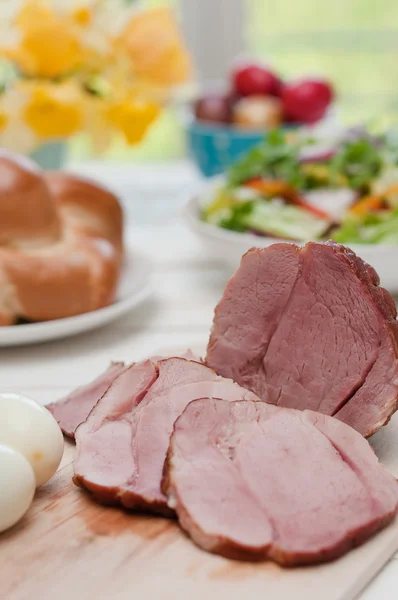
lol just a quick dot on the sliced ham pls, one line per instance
(310, 328)
(250, 480)
(74, 408)
(122, 446)
(103, 441)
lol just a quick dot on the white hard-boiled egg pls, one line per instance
(17, 485)
(30, 429)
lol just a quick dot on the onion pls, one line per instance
(316, 154)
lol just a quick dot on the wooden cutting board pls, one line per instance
(69, 547)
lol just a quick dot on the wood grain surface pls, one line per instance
(69, 547)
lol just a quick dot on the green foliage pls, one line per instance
(273, 157)
(359, 162)
(372, 228)
(235, 219)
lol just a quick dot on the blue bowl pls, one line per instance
(215, 147)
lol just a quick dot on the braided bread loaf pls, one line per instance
(61, 245)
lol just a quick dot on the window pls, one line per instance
(355, 43)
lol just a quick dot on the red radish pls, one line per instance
(306, 101)
(213, 107)
(255, 80)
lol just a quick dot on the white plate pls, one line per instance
(228, 246)
(135, 286)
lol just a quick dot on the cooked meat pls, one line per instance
(73, 410)
(310, 328)
(103, 441)
(122, 446)
(250, 480)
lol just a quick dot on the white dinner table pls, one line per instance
(186, 287)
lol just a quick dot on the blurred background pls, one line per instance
(144, 60)
(353, 43)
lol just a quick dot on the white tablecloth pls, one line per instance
(179, 314)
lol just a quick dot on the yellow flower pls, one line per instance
(133, 118)
(53, 111)
(3, 120)
(32, 11)
(49, 45)
(82, 15)
(139, 56)
(152, 41)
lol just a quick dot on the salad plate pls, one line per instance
(258, 204)
(228, 246)
(135, 287)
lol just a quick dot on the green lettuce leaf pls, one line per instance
(372, 228)
(286, 221)
(359, 162)
(269, 217)
(273, 158)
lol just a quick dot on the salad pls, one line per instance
(294, 190)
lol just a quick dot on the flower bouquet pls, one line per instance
(103, 67)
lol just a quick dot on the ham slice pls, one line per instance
(250, 480)
(122, 446)
(103, 441)
(310, 328)
(74, 408)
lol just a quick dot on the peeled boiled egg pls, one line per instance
(30, 429)
(17, 485)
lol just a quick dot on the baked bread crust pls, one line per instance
(61, 243)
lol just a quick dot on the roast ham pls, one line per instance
(75, 407)
(250, 480)
(121, 447)
(247, 474)
(104, 442)
(311, 329)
